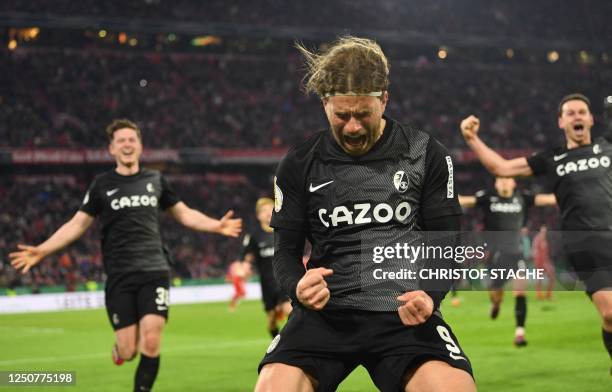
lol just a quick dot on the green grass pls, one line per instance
(205, 348)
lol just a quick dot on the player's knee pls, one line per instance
(265, 381)
(280, 377)
(127, 350)
(606, 315)
(151, 342)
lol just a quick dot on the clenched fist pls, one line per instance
(312, 289)
(417, 308)
(470, 127)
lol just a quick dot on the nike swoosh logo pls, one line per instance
(112, 192)
(559, 157)
(316, 188)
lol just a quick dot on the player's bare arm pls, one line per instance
(417, 308)
(28, 256)
(491, 160)
(545, 200)
(195, 220)
(467, 201)
(312, 289)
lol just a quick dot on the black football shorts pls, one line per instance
(271, 294)
(131, 295)
(328, 345)
(590, 257)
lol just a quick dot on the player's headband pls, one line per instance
(350, 93)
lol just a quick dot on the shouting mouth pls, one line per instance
(355, 141)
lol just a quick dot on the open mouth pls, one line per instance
(355, 141)
(578, 127)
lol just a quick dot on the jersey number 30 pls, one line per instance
(163, 296)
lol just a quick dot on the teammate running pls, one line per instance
(505, 210)
(366, 177)
(128, 201)
(258, 249)
(581, 174)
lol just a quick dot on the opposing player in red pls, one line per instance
(238, 273)
(541, 260)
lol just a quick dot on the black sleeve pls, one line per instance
(248, 246)
(168, 196)
(287, 261)
(438, 197)
(482, 198)
(289, 196)
(451, 226)
(537, 163)
(91, 203)
(529, 198)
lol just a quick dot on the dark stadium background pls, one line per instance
(215, 87)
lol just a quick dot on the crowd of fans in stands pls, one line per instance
(64, 99)
(544, 19)
(63, 96)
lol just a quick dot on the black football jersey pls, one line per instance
(346, 205)
(261, 245)
(582, 182)
(504, 213)
(507, 214)
(128, 208)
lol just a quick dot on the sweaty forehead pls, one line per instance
(349, 103)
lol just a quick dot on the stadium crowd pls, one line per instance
(61, 94)
(64, 98)
(543, 19)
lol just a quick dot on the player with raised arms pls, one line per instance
(580, 172)
(505, 212)
(128, 201)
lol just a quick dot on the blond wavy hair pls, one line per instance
(348, 65)
(262, 201)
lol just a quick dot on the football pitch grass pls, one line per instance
(206, 348)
